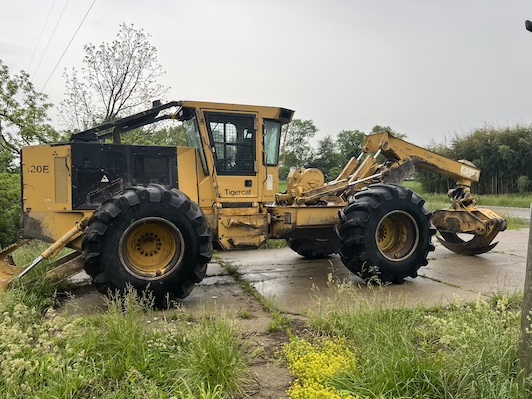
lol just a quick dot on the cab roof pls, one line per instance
(185, 111)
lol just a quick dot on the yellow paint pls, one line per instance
(151, 249)
(43, 182)
(187, 171)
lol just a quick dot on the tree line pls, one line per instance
(504, 156)
(330, 155)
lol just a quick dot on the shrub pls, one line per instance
(522, 184)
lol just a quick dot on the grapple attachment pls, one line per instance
(482, 224)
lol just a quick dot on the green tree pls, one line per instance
(349, 144)
(327, 157)
(23, 115)
(6, 160)
(503, 155)
(118, 79)
(296, 148)
(166, 136)
(379, 129)
(433, 182)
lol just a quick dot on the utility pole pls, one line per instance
(525, 344)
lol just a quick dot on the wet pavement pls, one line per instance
(294, 284)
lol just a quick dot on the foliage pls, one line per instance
(23, 115)
(349, 143)
(10, 205)
(522, 184)
(274, 243)
(117, 79)
(379, 129)
(331, 154)
(6, 160)
(460, 351)
(315, 363)
(503, 155)
(296, 148)
(127, 352)
(166, 136)
(327, 157)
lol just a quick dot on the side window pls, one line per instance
(272, 139)
(193, 138)
(233, 140)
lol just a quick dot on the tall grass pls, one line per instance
(461, 351)
(127, 352)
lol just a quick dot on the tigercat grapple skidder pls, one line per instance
(149, 216)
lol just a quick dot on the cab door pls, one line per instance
(233, 140)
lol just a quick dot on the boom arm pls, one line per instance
(463, 172)
(461, 217)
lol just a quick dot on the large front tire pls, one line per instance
(385, 233)
(151, 238)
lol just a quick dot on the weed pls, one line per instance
(271, 244)
(280, 322)
(245, 314)
(128, 352)
(315, 363)
(464, 350)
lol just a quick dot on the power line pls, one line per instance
(51, 37)
(40, 36)
(64, 52)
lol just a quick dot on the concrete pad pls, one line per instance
(294, 284)
(500, 270)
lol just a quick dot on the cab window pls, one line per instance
(272, 139)
(192, 135)
(233, 142)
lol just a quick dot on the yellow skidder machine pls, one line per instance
(149, 216)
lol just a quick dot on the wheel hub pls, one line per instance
(397, 236)
(151, 248)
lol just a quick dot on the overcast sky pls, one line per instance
(429, 69)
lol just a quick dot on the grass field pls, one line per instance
(509, 200)
(462, 351)
(129, 351)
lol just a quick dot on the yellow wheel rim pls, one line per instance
(397, 236)
(151, 248)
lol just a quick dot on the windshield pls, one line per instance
(193, 138)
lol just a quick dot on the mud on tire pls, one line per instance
(151, 238)
(385, 233)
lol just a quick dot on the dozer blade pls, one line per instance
(8, 269)
(10, 273)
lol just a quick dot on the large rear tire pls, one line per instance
(151, 238)
(313, 248)
(385, 233)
